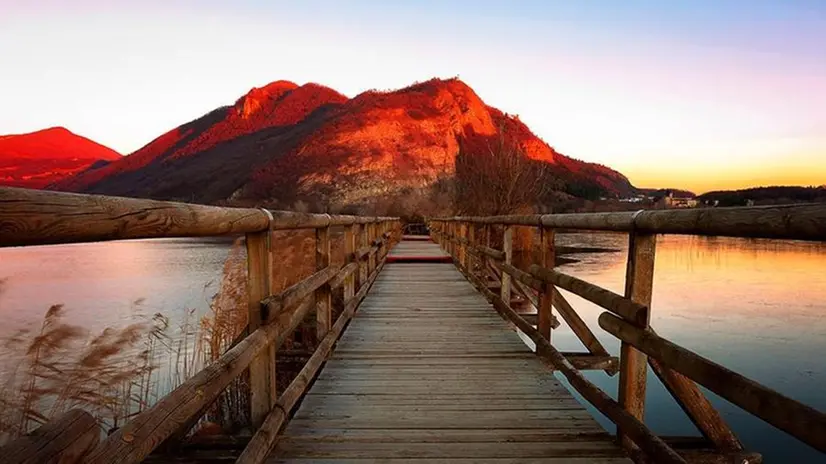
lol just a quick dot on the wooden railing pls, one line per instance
(469, 239)
(32, 217)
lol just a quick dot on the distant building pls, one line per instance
(671, 201)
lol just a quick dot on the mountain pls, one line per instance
(283, 143)
(37, 159)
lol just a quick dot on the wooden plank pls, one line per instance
(426, 364)
(65, 440)
(263, 440)
(262, 369)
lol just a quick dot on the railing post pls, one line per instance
(363, 259)
(350, 285)
(471, 237)
(463, 244)
(324, 316)
(507, 247)
(263, 393)
(547, 259)
(639, 282)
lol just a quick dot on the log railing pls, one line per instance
(627, 317)
(32, 217)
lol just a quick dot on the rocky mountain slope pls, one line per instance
(282, 143)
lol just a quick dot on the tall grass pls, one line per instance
(117, 373)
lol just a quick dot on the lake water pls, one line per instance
(755, 306)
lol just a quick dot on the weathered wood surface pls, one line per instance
(41, 217)
(798, 222)
(417, 248)
(64, 440)
(427, 370)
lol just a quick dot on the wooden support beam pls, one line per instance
(802, 422)
(263, 394)
(580, 328)
(697, 407)
(324, 313)
(65, 440)
(639, 283)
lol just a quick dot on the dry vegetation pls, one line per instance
(118, 373)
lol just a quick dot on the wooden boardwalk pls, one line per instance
(428, 372)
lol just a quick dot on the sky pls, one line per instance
(702, 94)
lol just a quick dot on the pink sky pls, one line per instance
(699, 95)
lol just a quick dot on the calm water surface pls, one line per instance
(109, 284)
(755, 306)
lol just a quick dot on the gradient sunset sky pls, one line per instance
(703, 94)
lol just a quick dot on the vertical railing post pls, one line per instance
(471, 237)
(263, 393)
(507, 247)
(639, 282)
(463, 245)
(371, 256)
(547, 258)
(363, 275)
(349, 257)
(324, 316)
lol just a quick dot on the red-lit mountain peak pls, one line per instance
(39, 158)
(260, 97)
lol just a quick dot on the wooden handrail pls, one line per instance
(40, 217)
(801, 421)
(796, 222)
(609, 300)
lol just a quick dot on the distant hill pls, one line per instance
(37, 159)
(284, 143)
(766, 196)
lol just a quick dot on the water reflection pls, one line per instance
(108, 284)
(755, 306)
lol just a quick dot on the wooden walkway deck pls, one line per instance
(428, 372)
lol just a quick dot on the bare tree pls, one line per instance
(499, 179)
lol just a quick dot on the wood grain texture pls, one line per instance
(64, 440)
(697, 407)
(264, 439)
(625, 307)
(797, 222)
(41, 217)
(652, 445)
(262, 369)
(426, 369)
(639, 284)
(323, 296)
